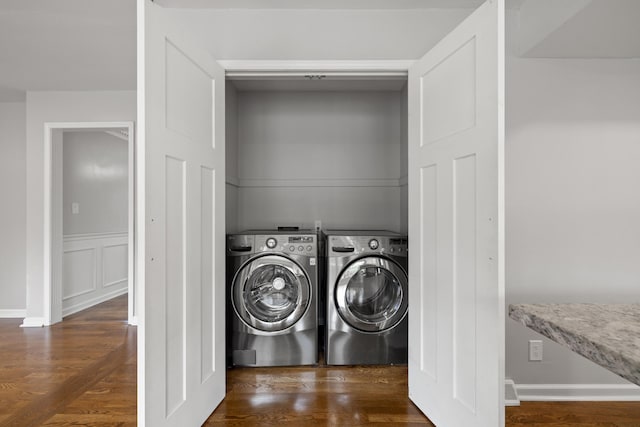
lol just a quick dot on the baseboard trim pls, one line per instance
(33, 322)
(93, 301)
(577, 392)
(510, 393)
(12, 313)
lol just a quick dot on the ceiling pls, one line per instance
(90, 44)
(602, 29)
(66, 45)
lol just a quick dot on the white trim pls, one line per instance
(115, 282)
(78, 294)
(260, 183)
(90, 303)
(232, 180)
(258, 68)
(139, 249)
(48, 292)
(34, 322)
(577, 392)
(510, 393)
(13, 313)
(94, 236)
(335, 75)
(119, 135)
(131, 221)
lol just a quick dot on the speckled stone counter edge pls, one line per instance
(600, 353)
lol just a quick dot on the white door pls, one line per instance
(456, 263)
(181, 113)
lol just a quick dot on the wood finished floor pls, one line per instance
(82, 372)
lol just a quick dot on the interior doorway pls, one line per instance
(89, 226)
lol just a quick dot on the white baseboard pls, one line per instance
(93, 301)
(510, 393)
(577, 392)
(12, 313)
(33, 322)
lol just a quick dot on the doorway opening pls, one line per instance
(318, 152)
(89, 217)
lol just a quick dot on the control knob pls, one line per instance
(271, 243)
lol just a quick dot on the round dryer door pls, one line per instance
(371, 294)
(271, 293)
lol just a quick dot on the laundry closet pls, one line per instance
(325, 145)
(316, 151)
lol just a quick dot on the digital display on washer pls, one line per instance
(398, 241)
(301, 239)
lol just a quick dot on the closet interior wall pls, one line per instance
(335, 153)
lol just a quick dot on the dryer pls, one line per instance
(367, 298)
(272, 285)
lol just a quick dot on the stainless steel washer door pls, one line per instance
(271, 293)
(371, 294)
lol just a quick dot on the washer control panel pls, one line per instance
(354, 245)
(299, 244)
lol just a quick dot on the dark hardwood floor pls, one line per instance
(317, 396)
(82, 372)
(78, 372)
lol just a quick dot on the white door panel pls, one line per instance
(181, 336)
(456, 326)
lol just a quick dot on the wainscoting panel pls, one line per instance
(94, 270)
(114, 265)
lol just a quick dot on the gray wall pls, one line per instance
(332, 156)
(404, 162)
(13, 211)
(95, 175)
(231, 158)
(572, 199)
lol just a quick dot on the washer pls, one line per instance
(367, 298)
(272, 285)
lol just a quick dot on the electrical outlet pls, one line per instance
(318, 225)
(535, 350)
(75, 208)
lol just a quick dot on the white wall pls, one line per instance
(321, 33)
(95, 176)
(94, 167)
(13, 212)
(573, 205)
(329, 156)
(45, 107)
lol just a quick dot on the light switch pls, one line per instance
(75, 208)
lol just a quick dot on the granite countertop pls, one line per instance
(607, 334)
